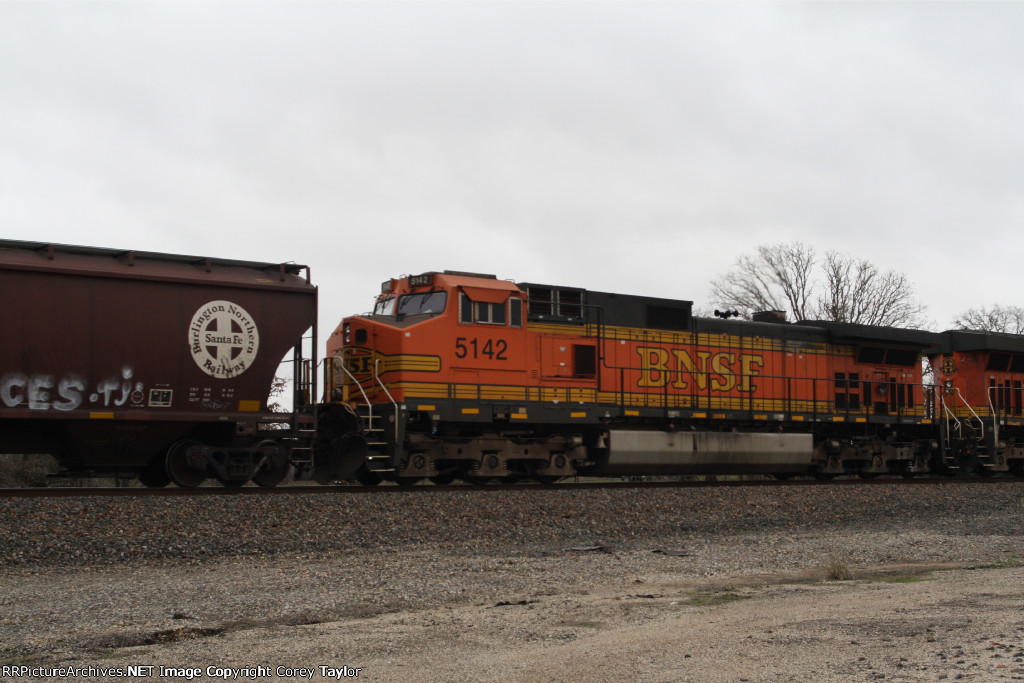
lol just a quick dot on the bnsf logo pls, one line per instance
(359, 365)
(677, 368)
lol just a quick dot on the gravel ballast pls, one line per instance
(114, 530)
(242, 579)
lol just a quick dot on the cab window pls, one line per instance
(490, 314)
(483, 312)
(385, 306)
(424, 302)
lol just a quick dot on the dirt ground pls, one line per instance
(912, 622)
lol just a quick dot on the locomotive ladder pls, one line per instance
(378, 459)
(970, 432)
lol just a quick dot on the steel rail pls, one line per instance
(172, 491)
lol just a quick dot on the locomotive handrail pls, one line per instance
(995, 417)
(950, 415)
(981, 422)
(366, 399)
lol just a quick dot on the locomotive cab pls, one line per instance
(434, 347)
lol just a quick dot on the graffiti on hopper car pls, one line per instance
(42, 391)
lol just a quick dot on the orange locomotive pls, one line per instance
(980, 401)
(460, 375)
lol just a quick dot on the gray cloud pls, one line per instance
(634, 147)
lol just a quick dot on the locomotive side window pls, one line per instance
(490, 314)
(515, 312)
(484, 312)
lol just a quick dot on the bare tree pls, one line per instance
(787, 277)
(774, 278)
(857, 292)
(1009, 319)
(277, 393)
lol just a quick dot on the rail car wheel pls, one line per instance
(186, 469)
(276, 466)
(232, 483)
(269, 477)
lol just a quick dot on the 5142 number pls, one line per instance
(493, 349)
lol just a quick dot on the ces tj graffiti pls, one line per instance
(40, 391)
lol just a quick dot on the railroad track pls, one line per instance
(172, 491)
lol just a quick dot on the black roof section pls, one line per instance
(857, 334)
(574, 304)
(290, 268)
(969, 340)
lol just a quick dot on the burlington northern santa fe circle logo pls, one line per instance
(223, 339)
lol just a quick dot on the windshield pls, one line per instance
(385, 307)
(427, 302)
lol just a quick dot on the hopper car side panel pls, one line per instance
(112, 357)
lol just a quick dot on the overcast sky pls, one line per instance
(627, 147)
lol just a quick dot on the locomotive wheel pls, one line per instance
(368, 478)
(407, 481)
(907, 473)
(546, 478)
(443, 479)
(478, 481)
(154, 477)
(179, 469)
